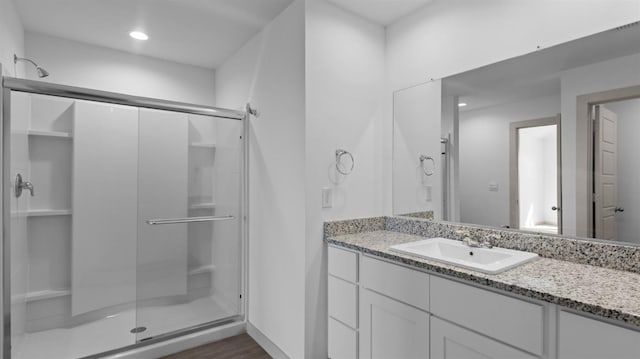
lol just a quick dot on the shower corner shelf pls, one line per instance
(202, 145)
(209, 205)
(41, 133)
(202, 269)
(43, 212)
(46, 294)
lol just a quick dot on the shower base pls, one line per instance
(113, 332)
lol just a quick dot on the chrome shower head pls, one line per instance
(42, 72)
(39, 70)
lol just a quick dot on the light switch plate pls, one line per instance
(428, 196)
(327, 197)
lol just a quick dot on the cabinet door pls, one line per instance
(449, 341)
(585, 338)
(390, 329)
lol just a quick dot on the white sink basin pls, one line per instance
(487, 260)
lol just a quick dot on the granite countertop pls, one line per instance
(601, 291)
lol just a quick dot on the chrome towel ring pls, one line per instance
(424, 159)
(340, 167)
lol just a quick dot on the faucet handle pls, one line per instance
(29, 186)
(462, 232)
(19, 185)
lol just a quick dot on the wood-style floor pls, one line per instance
(238, 347)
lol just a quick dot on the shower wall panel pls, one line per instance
(105, 206)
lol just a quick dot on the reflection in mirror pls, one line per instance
(535, 176)
(542, 142)
(417, 162)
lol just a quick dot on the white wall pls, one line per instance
(78, 64)
(345, 81)
(628, 169)
(484, 157)
(451, 36)
(11, 39)
(269, 72)
(343, 109)
(602, 76)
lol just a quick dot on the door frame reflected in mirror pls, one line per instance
(585, 150)
(514, 168)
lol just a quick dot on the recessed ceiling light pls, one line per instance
(139, 35)
(462, 104)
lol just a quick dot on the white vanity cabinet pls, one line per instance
(379, 309)
(449, 341)
(580, 337)
(342, 304)
(510, 320)
(394, 300)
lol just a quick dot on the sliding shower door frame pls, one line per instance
(10, 84)
(5, 113)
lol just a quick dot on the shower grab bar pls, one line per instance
(189, 220)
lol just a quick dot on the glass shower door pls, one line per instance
(19, 204)
(189, 261)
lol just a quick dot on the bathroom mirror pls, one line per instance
(544, 142)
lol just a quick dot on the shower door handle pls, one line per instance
(154, 222)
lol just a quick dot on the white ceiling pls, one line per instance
(383, 12)
(194, 32)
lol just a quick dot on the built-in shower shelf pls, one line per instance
(46, 294)
(49, 134)
(202, 145)
(204, 269)
(43, 212)
(209, 205)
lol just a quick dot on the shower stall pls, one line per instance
(123, 220)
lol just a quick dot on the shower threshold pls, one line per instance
(112, 335)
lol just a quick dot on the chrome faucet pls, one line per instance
(469, 242)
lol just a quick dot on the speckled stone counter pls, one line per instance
(423, 215)
(602, 291)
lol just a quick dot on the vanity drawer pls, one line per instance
(343, 301)
(400, 283)
(343, 264)
(342, 341)
(501, 317)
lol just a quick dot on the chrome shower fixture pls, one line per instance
(41, 72)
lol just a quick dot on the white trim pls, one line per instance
(272, 349)
(182, 343)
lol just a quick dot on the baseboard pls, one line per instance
(265, 342)
(183, 343)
